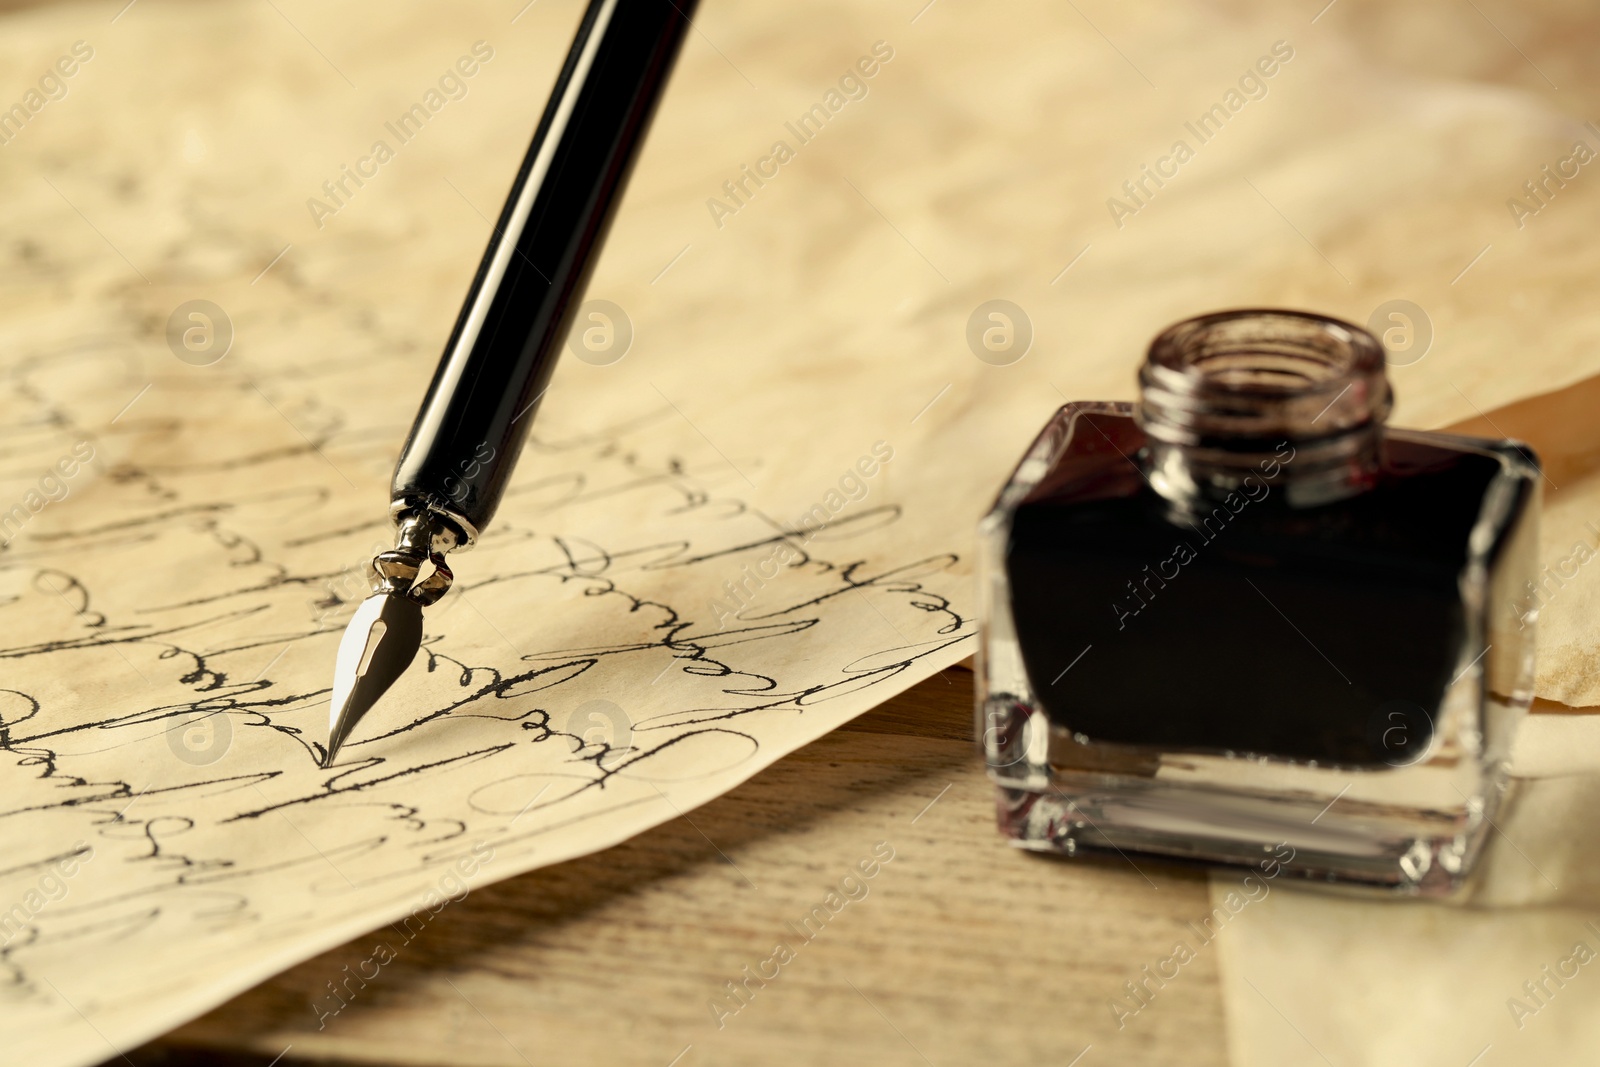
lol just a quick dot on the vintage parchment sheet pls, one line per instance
(798, 325)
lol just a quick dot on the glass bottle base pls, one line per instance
(1330, 825)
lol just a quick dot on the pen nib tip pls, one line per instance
(377, 647)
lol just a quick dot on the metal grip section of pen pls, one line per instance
(500, 356)
(415, 567)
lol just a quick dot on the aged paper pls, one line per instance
(659, 611)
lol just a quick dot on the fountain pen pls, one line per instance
(497, 364)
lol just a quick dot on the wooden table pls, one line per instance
(961, 950)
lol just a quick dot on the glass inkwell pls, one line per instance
(1245, 613)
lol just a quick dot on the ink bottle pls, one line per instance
(1244, 613)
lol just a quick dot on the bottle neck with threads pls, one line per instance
(1240, 400)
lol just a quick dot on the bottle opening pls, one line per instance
(1219, 392)
(1255, 374)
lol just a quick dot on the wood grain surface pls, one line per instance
(962, 950)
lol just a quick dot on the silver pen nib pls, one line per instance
(386, 630)
(377, 647)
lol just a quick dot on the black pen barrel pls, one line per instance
(460, 453)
